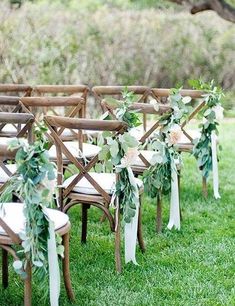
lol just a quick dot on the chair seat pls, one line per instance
(5, 140)
(89, 150)
(192, 133)
(3, 176)
(10, 128)
(106, 180)
(12, 215)
(147, 154)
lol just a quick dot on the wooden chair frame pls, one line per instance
(22, 119)
(28, 104)
(69, 198)
(144, 92)
(80, 91)
(10, 100)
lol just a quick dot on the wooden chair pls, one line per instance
(26, 121)
(12, 223)
(142, 94)
(186, 143)
(80, 91)
(9, 102)
(88, 188)
(74, 107)
(145, 155)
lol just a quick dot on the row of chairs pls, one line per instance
(73, 101)
(64, 109)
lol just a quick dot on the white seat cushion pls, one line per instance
(148, 154)
(193, 133)
(9, 128)
(89, 150)
(5, 140)
(13, 216)
(106, 180)
(3, 176)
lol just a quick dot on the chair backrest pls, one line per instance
(72, 105)
(9, 102)
(147, 109)
(16, 89)
(6, 154)
(26, 120)
(142, 94)
(80, 91)
(55, 122)
(199, 102)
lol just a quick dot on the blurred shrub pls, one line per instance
(49, 43)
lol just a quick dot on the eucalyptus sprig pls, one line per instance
(157, 178)
(212, 114)
(34, 183)
(119, 152)
(122, 109)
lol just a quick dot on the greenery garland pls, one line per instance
(119, 152)
(34, 183)
(157, 178)
(212, 114)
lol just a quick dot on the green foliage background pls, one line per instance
(108, 42)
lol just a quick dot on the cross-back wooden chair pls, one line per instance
(9, 102)
(26, 121)
(142, 94)
(145, 155)
(80, 91)
(12, 223)
(74, 108)
(186, 142)
(88, 188)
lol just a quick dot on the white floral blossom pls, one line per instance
(129, 158)
(175, 134)
(219, 112)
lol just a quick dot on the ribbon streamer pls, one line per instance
(54, 272)
(131, 228)
(174, 207)
(215, 165)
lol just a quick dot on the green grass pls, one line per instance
(195, 266)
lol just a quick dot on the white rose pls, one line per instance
(175, 134)
(219, 112)
(130, 157)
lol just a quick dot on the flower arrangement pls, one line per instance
(157, 178)
(34, 183)
(120, 152)
(212, 114)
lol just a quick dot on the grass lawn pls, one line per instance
(195, 266)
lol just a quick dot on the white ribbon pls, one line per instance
(174, 206)
(54, 272)
(215, 165)
(131, 228)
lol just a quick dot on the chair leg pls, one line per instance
(4, 268)
(103, 217)
(28, 286)
(204, 187)
(84, 222)
(139, 231)
(66, 270)
(118, 242)
(159, 214)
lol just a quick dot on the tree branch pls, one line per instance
(222, 8)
